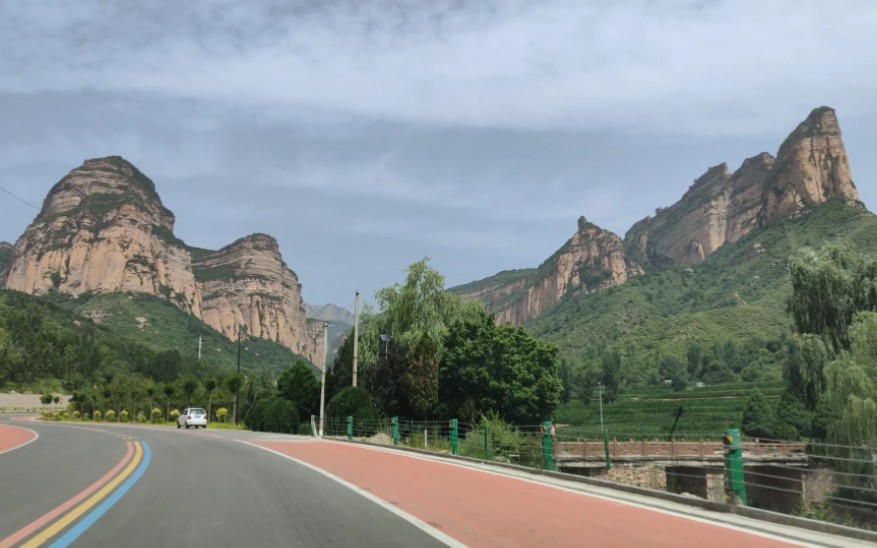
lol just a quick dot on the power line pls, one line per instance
(19, 198)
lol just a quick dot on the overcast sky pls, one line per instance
(365, 135)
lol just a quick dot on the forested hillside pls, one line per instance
(54, 337)
(730, 308)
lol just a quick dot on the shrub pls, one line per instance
(175, 414)
(123, 416)
(85, 416)
(65, 415)
(76, 415)
(304, 429)
(274, 414)
(156, 415)
(222, 414)
(352, 402)
(110, 415)
(141, 417)
(502, 441)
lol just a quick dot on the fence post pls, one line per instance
(395, 430)
(455, 438)
(486, 444)
(349, 428)
(548, 433)
(606, 449)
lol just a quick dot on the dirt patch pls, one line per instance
(651, 477)
(381, 439)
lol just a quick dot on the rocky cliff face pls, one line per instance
(247, 283)
(722, 207)
(811, 168)
(592, 260)
(103, 229)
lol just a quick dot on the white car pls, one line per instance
(193, 416)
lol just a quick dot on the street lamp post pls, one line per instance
(386, 339)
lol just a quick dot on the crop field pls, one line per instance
(650, 412)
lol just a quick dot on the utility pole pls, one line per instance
(237, 393)
(355, 337)
(323, 380)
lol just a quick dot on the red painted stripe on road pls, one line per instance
(482, 509)
(33, 527)
(13, 437)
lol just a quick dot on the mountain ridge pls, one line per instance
(719, 208)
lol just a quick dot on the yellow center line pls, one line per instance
(74, 514)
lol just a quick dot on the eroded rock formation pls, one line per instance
(592, 260)
(103, 229)
(811, 168)
(721, 207)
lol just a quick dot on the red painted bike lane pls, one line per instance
(13, 437)
(482, 509)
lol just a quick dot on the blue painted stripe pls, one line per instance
(98, 512)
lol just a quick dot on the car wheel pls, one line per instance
(187, 426)
(178, 425)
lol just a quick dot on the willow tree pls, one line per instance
(832, 366)
(415, 316)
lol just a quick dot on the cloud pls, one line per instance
(707, 68)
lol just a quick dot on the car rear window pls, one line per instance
(197, 412)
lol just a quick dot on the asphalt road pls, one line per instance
(114, 485)
(201, 488)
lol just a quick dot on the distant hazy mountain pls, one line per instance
(328, 312)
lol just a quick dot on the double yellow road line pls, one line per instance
(106, 490)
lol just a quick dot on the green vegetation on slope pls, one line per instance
(159, 324)
(5, 256)
(650, 412)
(739, 293)
(502, 279)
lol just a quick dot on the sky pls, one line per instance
(365, 135)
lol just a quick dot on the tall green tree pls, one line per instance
(234, 384)
(499, 369)
(298, 383)
(210, 385)
(415, 318)
(190, 385)
(758, 417)
(340, 375)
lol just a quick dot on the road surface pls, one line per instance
(109, 485)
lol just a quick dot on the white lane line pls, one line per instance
(417, 522)
(36, 435)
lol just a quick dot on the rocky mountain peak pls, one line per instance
(102, 186)
(821, 122)
(811, 168)
(721, 207)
